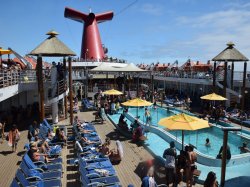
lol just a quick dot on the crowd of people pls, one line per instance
(179, 166)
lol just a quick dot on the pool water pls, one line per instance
(196, 138)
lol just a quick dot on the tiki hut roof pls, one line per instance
(230, 54)
(52, 47)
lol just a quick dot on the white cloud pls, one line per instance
(205, 35)
(152, 9)
(213, 30)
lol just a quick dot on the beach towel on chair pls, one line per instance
(55, 150)
(102, 172)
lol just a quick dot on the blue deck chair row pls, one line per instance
(56, 165)
(85, 126)
(33, 181)
(38, 173)
(43, 135)
(90, 162)
(91, 175)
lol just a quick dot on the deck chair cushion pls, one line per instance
(79, 147)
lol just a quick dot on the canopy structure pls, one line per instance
(112, 92)
(52, 47)
(213, 97)
(183, 122)
(230, 54)
(107, 68)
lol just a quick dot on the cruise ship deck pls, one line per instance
(129, 171)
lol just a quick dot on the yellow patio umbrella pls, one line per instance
(213, 97)
(137, 102)
(183, 122)
(5, 51)
(112, 92)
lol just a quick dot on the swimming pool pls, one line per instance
(157, 142)
(196, 138)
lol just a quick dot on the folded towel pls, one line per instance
(102, 172)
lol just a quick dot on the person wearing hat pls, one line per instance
(244, 148)
(170, 155)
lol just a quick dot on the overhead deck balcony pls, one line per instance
(13, 82)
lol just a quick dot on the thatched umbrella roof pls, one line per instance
(52, 47)
(230, 54)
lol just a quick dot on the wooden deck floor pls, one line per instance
(9, 162)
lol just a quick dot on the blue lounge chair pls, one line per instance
(95, 165)
(46, 124)
(14, 183)
(95, 173)
(103, 181)
(41, 165)
(91, 138)
(38, 173)
(89, 103)
(39, 182)
(86, 105)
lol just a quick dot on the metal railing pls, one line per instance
(108, 86)
(111, 60)
(9, 77)
(61, 87)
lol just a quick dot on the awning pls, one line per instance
(107, 68)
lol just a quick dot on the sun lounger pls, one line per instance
(14, 183)
(95, 165)
(41, 165)
(97, 173)
(88, 102)
(86, 105)
(103, 181)
(39, 182)
(38, 173)
(46, 124)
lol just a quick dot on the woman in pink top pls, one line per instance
(14, 136)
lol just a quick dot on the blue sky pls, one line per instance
(141, 31)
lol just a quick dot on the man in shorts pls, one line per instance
(170, 156)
